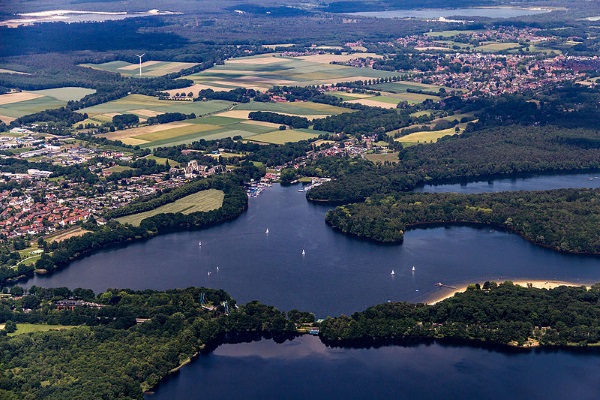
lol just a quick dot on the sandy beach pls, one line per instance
(445, 292)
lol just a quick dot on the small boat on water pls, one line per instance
(303, 252)
(301, 190)
(413, 268)
(217, 269)
(267, 231)
(209, 273)
(199, 243)
(393, 273)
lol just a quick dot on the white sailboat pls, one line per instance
(413, 269)
(393, 273)
(303, 252)
(267, 231)
(200, 243)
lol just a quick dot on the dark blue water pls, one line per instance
(338, 274)
(534, 182)
(306, 369)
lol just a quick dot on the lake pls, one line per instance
(305, 368)
(488, 12)
(338, 274)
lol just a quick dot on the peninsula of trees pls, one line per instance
(565, 219)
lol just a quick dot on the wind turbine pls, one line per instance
(141, 63)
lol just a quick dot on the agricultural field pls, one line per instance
(15, 105)
(281, 137)
(204, 200)
(265, 71)
(228, 123)
(496, 47)
(149, 68)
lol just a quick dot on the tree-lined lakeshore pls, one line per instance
(121, 343)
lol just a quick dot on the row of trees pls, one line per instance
(290, 120)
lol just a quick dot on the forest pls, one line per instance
(121, 343)
(565, 219)
(496, 314)
(110, 356)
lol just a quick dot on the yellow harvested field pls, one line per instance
(145, 113)
(426, 136)
(241, 114)
(136, 66)
(118, 135)
(134, 141)
(281, 137)
(261, 123)
(358, 48)
(194, 89)
(204, 200)
(18, 97)
(6, 120)
(373, 103)
(66, 235)
(328, 58)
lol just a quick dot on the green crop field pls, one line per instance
(281, 137)
(300, 108)
(24, 103)
(225, 120)
(204, 200)
(495, 47)
(141, 103)
(265, 71)
(149, 68)
(381, 158)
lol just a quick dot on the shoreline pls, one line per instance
(536, 283)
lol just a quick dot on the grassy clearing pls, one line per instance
(381, 158)
(204, 200)
(31, 328)
(163, 160)
(281, 137)
(149, 68)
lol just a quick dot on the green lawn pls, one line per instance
(30, 328)
(204, 200)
